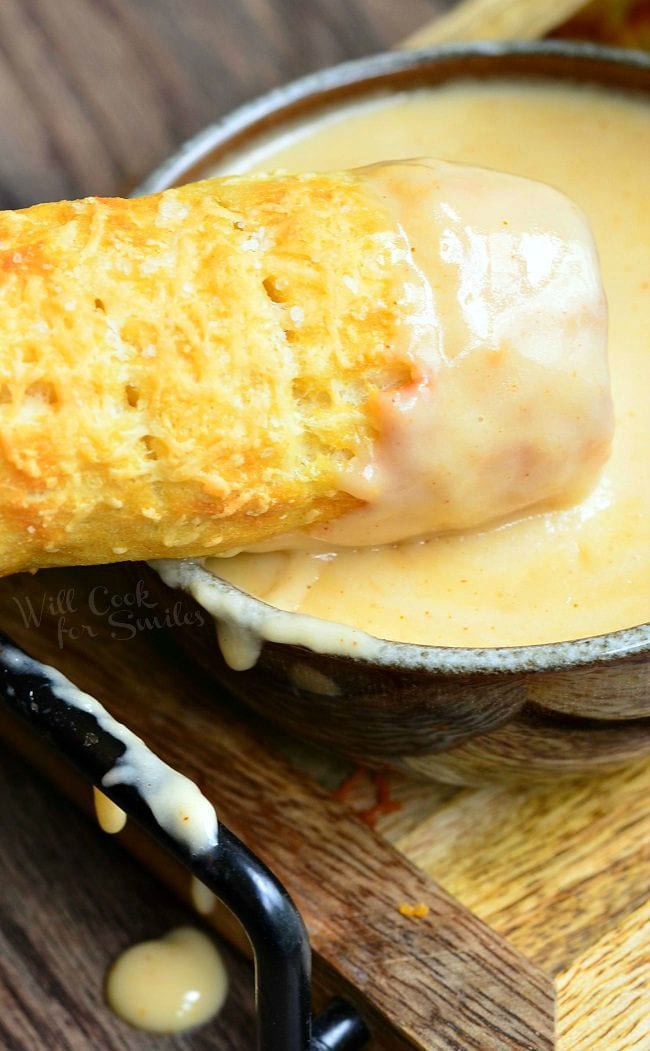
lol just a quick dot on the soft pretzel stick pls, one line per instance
(191, 370)
(214, 366)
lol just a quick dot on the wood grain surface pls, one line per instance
(71, 900)
(604, 993)
(494, 20)
(94, 95)
(439, 982)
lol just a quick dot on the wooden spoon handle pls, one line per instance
(494, 20)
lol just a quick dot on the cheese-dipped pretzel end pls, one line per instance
(363, 356)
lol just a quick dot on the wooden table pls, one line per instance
(94, 95)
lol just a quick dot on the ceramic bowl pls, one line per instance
(460, 715)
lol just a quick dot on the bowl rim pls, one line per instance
(193, 151)
(256, 617)
(258, 620)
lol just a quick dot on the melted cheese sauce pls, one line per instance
(110, 817)
(170, 984)
(178, 981)
(202, 897)
(504, 321)
(176, 803)
(562, 574)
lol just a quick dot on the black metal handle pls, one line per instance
(233, 872)
(338, 1028)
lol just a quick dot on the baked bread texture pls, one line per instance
(190, 371)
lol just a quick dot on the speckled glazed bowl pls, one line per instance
(460, 715)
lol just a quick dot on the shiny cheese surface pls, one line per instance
(168, 984)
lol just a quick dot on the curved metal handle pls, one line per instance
(234, 873)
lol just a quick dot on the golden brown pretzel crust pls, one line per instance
(189, 371)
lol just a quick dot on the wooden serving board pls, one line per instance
(538, 925)
(538, 898)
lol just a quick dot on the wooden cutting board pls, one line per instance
(538, 899)
(536, 896)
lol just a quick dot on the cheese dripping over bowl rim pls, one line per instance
(247, 623)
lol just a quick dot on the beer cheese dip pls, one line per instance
(545, 575)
